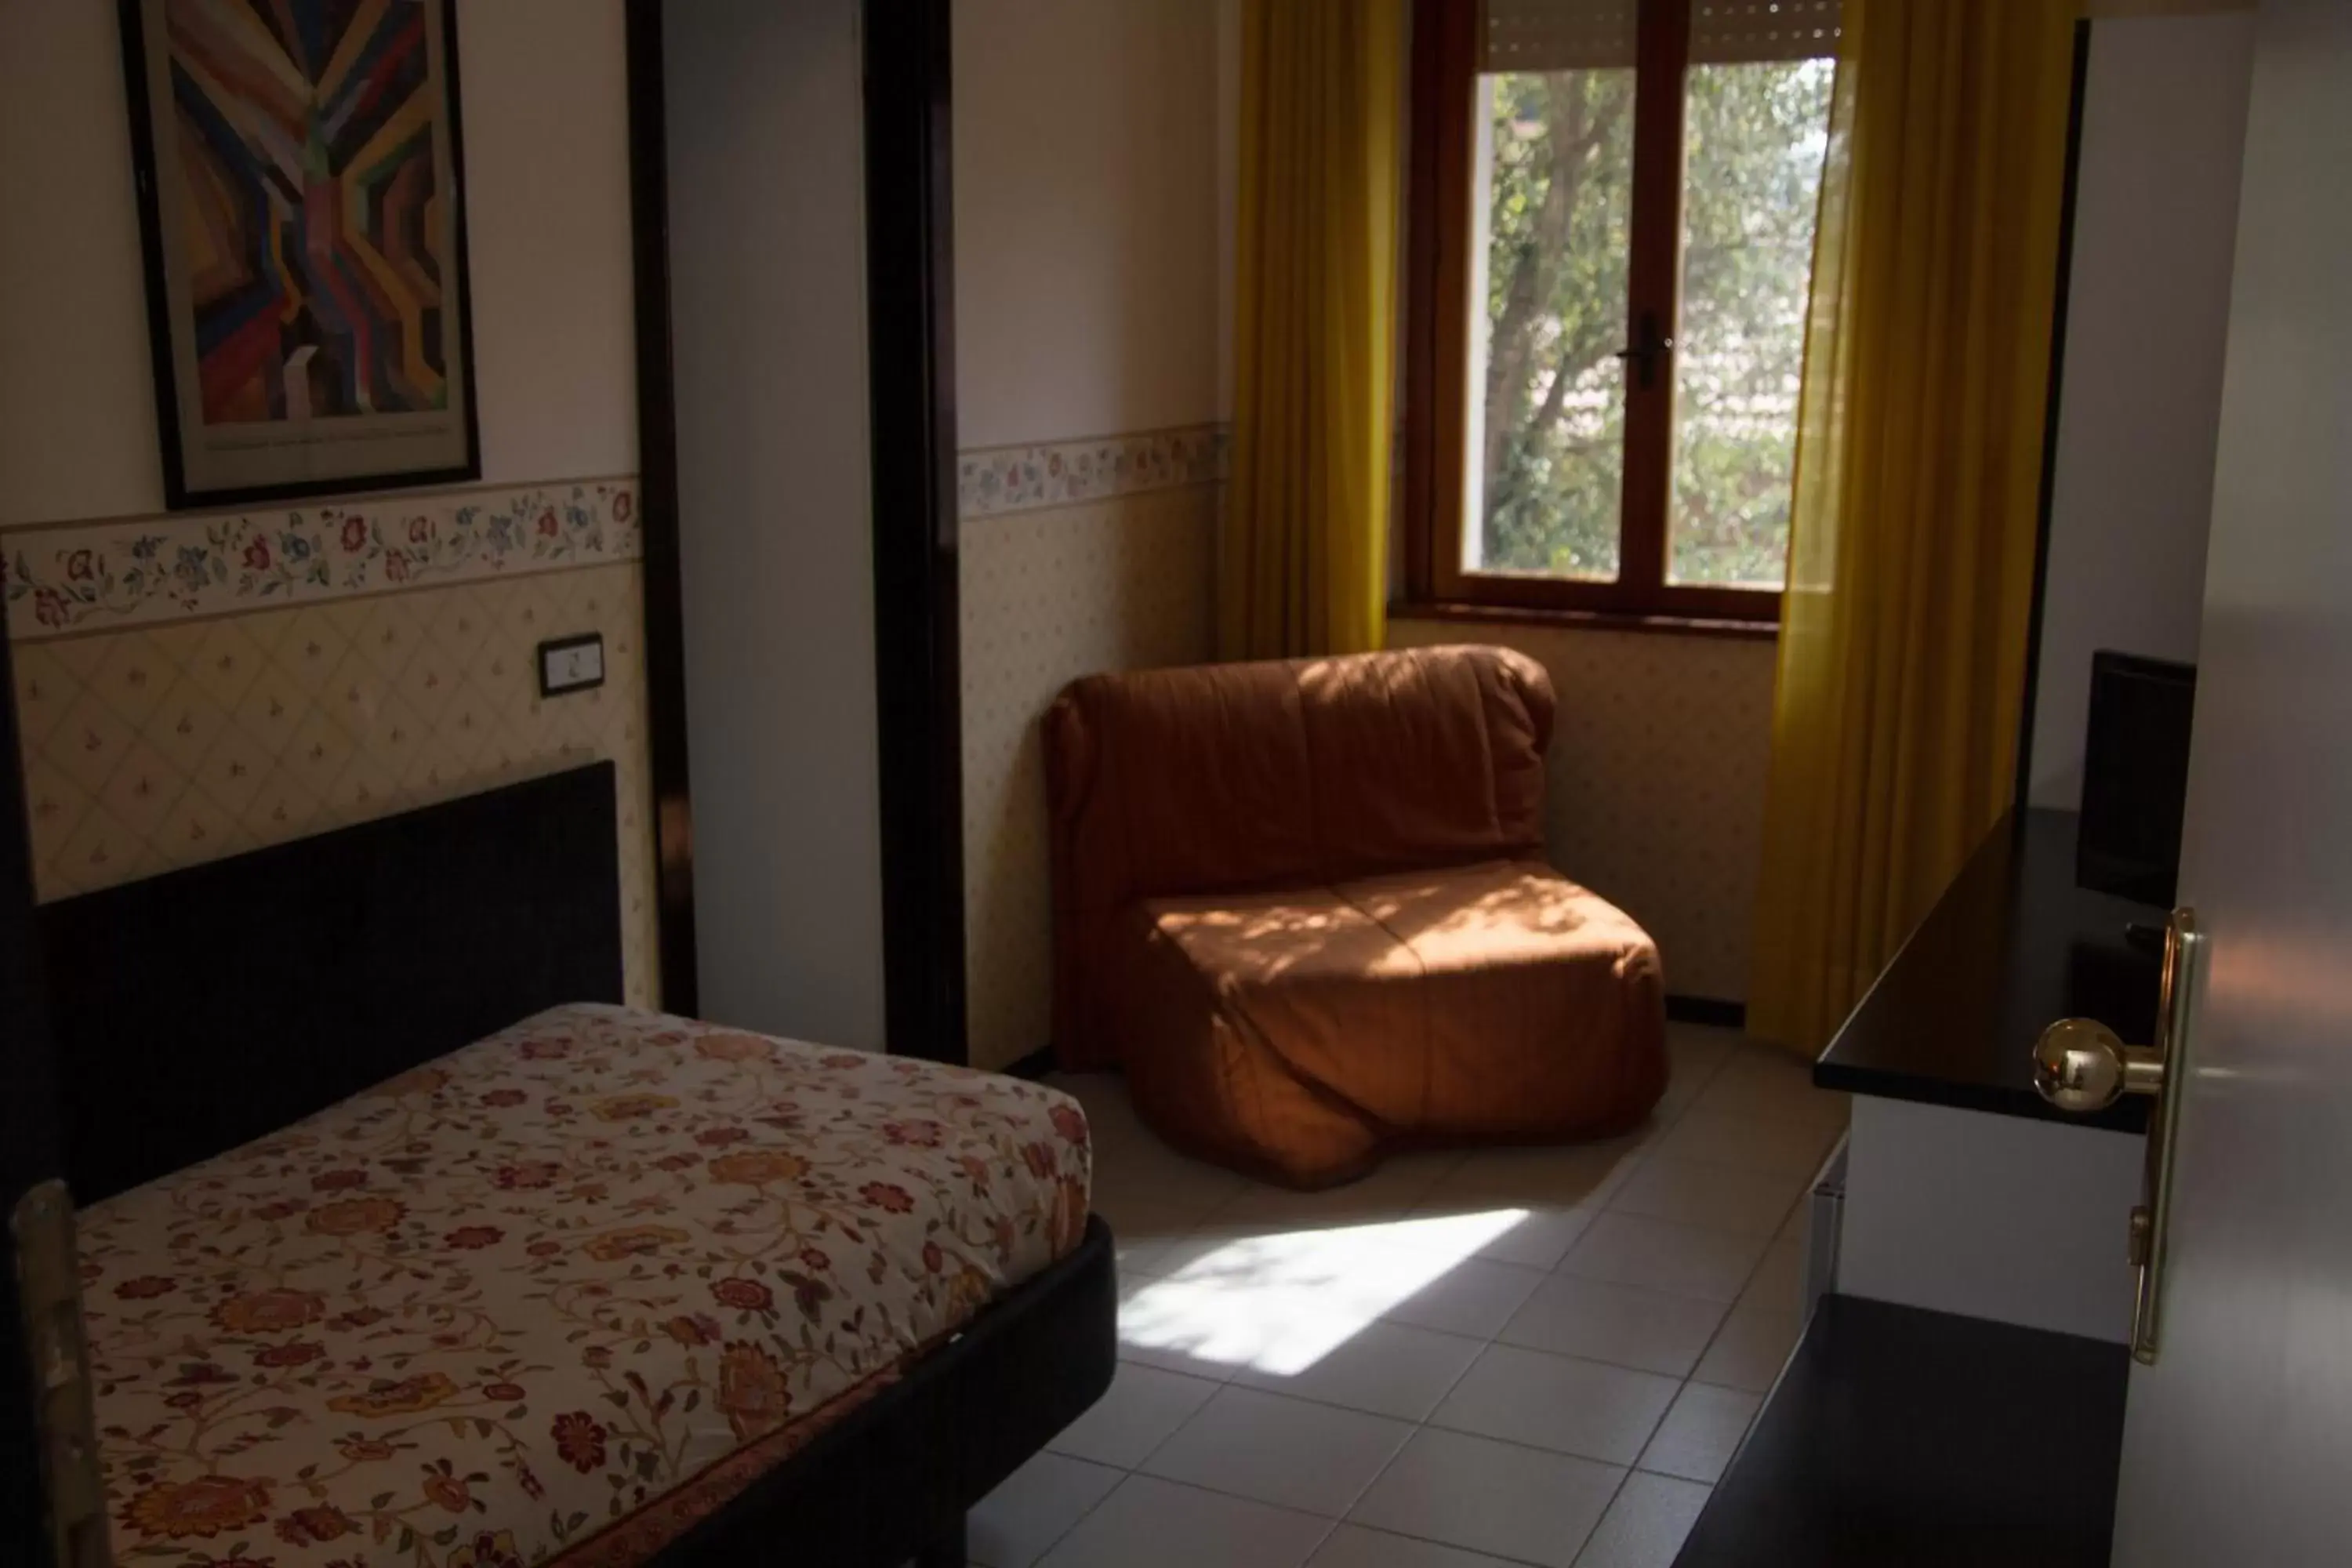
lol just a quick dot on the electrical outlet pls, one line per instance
(571, 664)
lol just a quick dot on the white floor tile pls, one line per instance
(1148, 1342)
(1013, 1526)
(1353, 1546)
(1281, 1300)
(1211, 1235)
(1145, 1203)
(1150, 1523)
(1391, 1188)
(1538, 1237)
(1651, 1330)
(1695, 1054)
(1146, 1230)
(1765, 1143)
(1762, 1080)
(1313, 1457)
(1276, 1347)
(1490, 1496)
(1474, 1297)
(1388, 1369)
(1779, 1283)
(1659, 1255)
(1142, 1408)
(1721, 1198)
(1142, 1258)
(1699, 1435)
(1645, 1525)
(1750, 1350)
(1557, 1401)
(1560, 1177)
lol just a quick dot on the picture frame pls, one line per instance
(307, 302)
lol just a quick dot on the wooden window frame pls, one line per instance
(1443, 174)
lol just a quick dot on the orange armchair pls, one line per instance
(1305, 905)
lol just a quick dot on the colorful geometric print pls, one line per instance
(314, 227)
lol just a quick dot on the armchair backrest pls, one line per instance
(1237, 777)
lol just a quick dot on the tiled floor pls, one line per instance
(1465, 1359)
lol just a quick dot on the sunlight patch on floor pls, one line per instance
(1283, 1301)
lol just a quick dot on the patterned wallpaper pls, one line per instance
(232, 708)
(996, 479)
(1122, 582)
(1658, 764)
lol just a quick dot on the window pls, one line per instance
(1612, 245)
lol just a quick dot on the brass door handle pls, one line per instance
(2080, 1067)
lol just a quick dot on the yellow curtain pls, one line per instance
(1304, 566)
(1903, 639)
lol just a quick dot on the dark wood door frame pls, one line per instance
(910, 376)
(665, 602)
(909, 251)
(2022, 790)
(29, 1147)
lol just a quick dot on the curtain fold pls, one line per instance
(1919, 450)
(1303, 565)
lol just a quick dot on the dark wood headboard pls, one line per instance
(202, 1009)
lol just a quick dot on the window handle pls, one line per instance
(1648, 347)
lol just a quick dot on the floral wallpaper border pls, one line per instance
(995, 480)
(88, 577)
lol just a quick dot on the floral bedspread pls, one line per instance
(552, 1298)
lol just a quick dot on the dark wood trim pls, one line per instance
(1444, 74)
(1654, 298)
(176, 494)
(1588, 621)
(1035, 1065)
(1437, 322)
(665, 594)
(2023, 791)
(911, 325)
(30, 1144)
(1708, 1011)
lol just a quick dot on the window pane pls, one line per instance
(1546, 458)
(1753, 139)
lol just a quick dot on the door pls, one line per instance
(2238, 1438)
(28, 1151)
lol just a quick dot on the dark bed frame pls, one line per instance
(209, 1007)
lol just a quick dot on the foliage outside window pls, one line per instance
(1648, 184)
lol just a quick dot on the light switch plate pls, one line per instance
(571, 664)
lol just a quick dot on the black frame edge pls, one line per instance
(910, 327)
(2022, 791)
(662, 571)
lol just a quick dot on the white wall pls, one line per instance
(546, 133)
(1093, 183)
(545, 85)
(2155, 221)
(2000, 1217)
(768, 295)
(1088, 217)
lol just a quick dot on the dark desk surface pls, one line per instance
(1899, 1436)
(2013, 946)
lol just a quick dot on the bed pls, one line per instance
(371, 1279)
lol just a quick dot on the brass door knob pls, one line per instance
(2080, 1067)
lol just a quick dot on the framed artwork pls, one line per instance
(303, 209)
